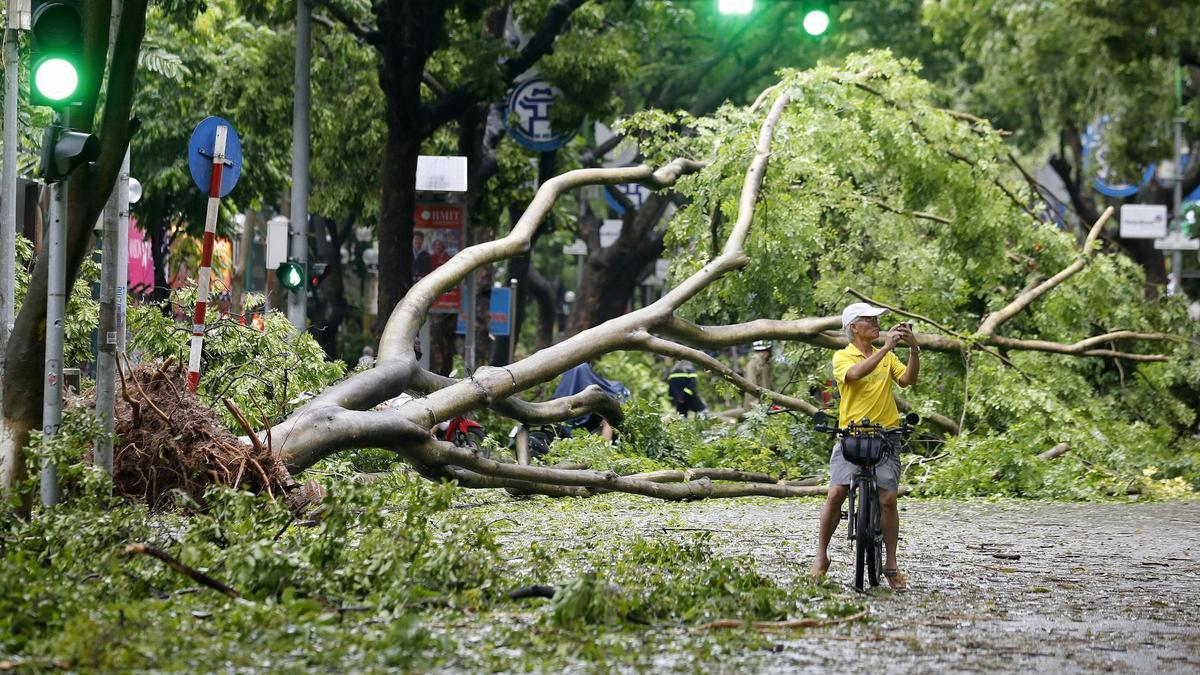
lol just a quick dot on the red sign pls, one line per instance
(437, 237)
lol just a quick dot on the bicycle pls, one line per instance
(865, 445)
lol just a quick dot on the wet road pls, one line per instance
(1010, 586)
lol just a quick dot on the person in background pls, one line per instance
(758, 370)
(439, 254)
(684, 387)
(579, 378)
(367, 360)
(421, 260)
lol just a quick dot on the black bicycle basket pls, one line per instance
(863, 449)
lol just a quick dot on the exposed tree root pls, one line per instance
(167, 439)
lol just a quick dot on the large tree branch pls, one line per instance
(992, 322)
(437, 453)
(541, 43)
(592, 399)
(677, 351)
(406, 319)
(357, 28)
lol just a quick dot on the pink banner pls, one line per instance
(141, 263)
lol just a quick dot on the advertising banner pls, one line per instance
(437, 236)
(141, 262)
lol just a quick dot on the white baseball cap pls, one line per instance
(857, 311)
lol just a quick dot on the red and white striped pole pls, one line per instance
(210, 234)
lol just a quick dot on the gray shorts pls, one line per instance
(887, 471)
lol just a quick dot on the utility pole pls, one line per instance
(106, 336)
(297, 300)
(1177, 255)
(8, 211)
(114, 280)
(56, 300)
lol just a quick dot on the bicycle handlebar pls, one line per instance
(864, 426)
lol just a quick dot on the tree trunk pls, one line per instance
(414, 28)
(90, 186)
(611, 275)
(330, 307)
(160, 243)
(545, 295)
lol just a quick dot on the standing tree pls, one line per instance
(90, 188)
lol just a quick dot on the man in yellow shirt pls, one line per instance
(864, 377)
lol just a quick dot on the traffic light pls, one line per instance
(735, 6)
(56, 57)
(290, 275)
(316, 273)
(63, 150)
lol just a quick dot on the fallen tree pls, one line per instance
(340, 418)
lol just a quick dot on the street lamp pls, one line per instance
(816, 22)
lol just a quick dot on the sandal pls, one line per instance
(895, 579)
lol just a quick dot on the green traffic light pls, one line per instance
(735, 6)
(56, 79)
(290, 276)
(816, 22)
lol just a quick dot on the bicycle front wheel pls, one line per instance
(863, 535)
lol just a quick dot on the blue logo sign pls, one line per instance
(200, 155)
(527, 116)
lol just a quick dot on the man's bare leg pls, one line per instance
(889, 517)
(831, 513)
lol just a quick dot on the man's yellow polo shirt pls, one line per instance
(871, 396)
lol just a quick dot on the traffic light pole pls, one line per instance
(297, 300)
(56, 300)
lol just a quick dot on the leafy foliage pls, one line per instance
(264, 373)
(82, 310)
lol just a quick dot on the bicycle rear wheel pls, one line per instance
(875, 547)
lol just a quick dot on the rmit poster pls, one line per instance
(437, 237)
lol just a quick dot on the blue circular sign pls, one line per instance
(527, 116)
(200, 155)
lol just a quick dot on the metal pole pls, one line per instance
(1177, 256)
(469, 304)
(106, 338)
(122, 251)
(8, 199)
(512, 319)
(204, 279)
(469, 322)
(297, 300)
(56, 297)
